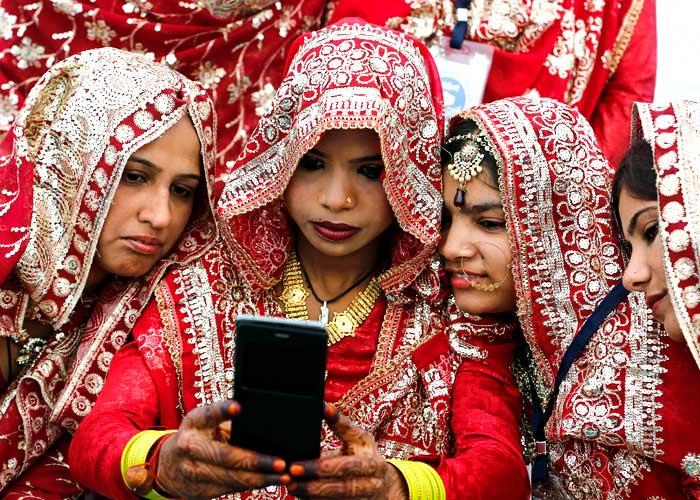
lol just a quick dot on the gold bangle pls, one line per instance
(136, 453)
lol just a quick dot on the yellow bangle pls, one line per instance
(424, 483)
(136, 453)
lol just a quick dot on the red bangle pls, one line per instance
(152, 464)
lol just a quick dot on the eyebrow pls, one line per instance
(362, 159)
(368, 158)
(152, 166)
(481, 207)
(631, 228)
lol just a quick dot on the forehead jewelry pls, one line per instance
(466, 163)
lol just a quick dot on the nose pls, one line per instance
(337, 193)
(637, 274)
(457, 243)
(156, 210)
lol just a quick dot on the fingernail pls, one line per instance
(278, 465)
(233, 409)
(332, 414)
(296, 470)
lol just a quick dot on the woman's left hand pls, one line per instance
(359, 472)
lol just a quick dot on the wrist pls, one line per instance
(139, 463)
(422, 481)
(397, 488)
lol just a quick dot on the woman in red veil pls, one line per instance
(101, 174)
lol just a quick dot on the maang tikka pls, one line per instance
(466, 163)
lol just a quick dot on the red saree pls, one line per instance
(673, 131)
(234, 49)
(624, 419)
(598, 56)
(394, 378)
(80, 124)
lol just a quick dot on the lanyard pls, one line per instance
(539, 417)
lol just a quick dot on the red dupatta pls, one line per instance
(79, 126)
(616, 427)
(673, 131)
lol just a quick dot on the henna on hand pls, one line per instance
(361, 472)
(193, 463)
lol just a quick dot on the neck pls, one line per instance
(331, 275)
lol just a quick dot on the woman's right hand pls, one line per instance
(196, 463)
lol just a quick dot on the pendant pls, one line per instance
(324, 313)
(459, 198)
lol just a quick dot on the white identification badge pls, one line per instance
(463, 73)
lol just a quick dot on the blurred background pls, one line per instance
(678, 70)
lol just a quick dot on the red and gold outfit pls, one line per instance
(69, 145)
(424, 391)
(624, 420)
(235, 49)
(673, 131)
(597, 56)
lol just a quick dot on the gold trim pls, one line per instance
(625, 35)
(171, 337)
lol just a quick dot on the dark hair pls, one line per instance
(464, 127)
(635, 173)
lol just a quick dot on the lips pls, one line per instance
(464, 279)
(143, 244)
(654, 301)
(335, 231)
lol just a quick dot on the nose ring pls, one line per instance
(348, 200)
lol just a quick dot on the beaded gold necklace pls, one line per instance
(344, 323)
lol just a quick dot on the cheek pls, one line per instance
(379, 208)
(296, 195)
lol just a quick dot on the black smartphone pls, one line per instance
(280, 368)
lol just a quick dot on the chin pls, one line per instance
(674, 331)
(130, 269)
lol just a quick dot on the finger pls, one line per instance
(350, 488)
(353, 436)
(208, 417)
(337, 467)
(223, 479)
(193, 446)
(223, 431)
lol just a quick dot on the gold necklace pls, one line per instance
(344, 323)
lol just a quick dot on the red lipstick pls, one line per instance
(335, 231)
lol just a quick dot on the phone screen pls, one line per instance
(282, 372)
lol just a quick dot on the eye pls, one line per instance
(651, 232)
(311, 163)
(183, 191)
(372, 171)
(134, 177)
(492, 224)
